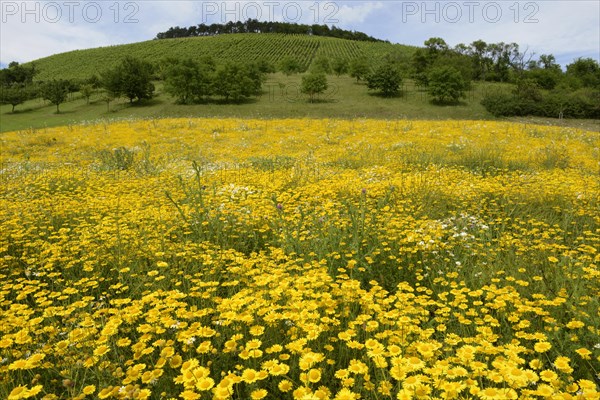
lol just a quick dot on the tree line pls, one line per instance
(187, 80)
(255, 26)
(538, 86)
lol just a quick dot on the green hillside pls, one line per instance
(232, 47)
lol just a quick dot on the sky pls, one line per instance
(567, 29)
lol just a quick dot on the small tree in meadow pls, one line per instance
(321, 65)
(314, 84)
(55, 91)
(386, 79)
(87, 90)
(359, 68)
(289, 65)
(136, 79)
(339, 66)
(107, 97)
(237, 82)
(13, 95)
(183, 80)
(132, 79)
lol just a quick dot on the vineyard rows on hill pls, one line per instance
(81, 64)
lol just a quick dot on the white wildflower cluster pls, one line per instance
(464, 226)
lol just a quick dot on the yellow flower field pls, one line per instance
(300, 259)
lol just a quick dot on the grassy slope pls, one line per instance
(84, 63)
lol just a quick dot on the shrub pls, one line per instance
(446, 85)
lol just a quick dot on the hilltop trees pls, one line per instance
(255, 26)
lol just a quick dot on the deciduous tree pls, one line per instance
(386, 79)
(55, 91)
(446, 85)
(314, 84)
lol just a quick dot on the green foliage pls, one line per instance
(501, 104)
(586, 71)
(436, 45)
(136, 79)
(17, 74)
(528, 90)
(548, 62)
(289, 65)
(265, 66)
(107, 97)
(237, 82)
(321, 64)
(314, 84)
(583, 103)
(14, 95)
(446, 85)
(545, 78)
(132, 78)
(189, 80)
(16, 84)
(339, 66)
(93, 80)
(420, 64)
(110, 81)
(257, 27)
(87, 90)
(55, 91)
(359, 68)
(386, 79)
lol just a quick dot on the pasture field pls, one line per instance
(299, 259)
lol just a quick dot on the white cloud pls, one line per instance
(351, 13)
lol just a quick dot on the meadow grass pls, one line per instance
(299, 258)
